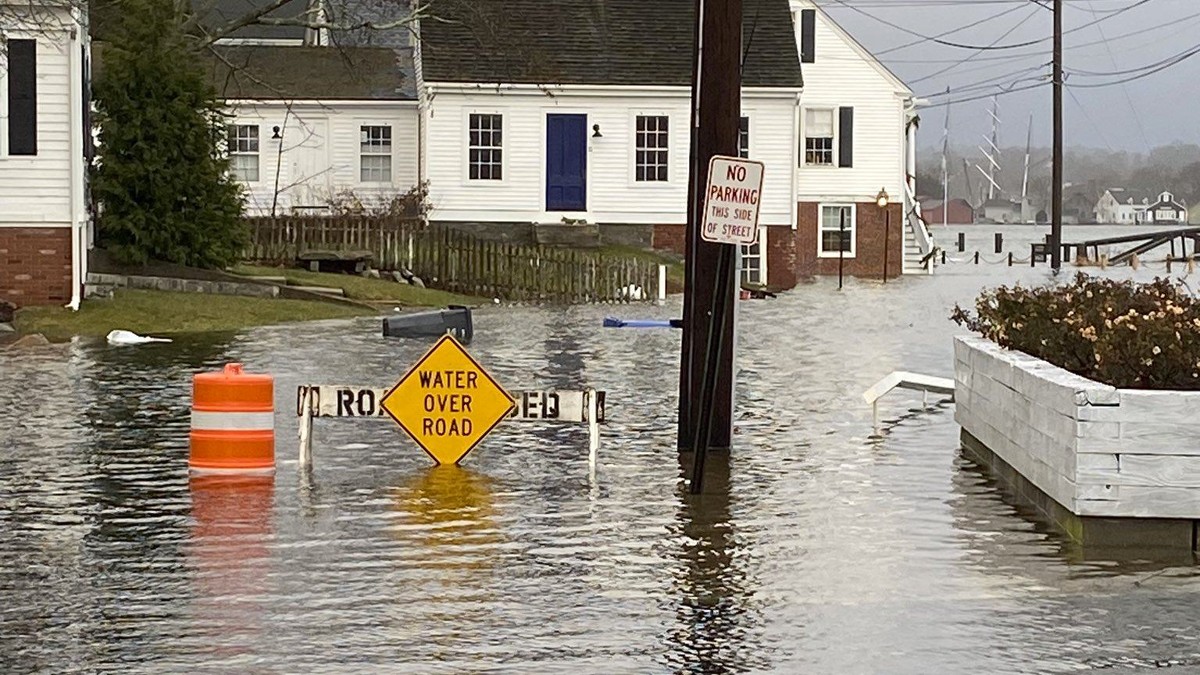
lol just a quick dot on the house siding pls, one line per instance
(318, 156)
(840, 76)
(613, 196)
(36, 189)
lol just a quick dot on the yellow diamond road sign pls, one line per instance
(447, 402)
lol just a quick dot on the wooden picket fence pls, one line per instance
(455, 260)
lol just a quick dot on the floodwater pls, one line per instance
(816, 548)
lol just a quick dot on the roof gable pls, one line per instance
(596, 42)
(854, 44)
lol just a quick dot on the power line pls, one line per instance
(977, 53)
(993, 46)
(952, 31)
(1088, 117)
(1180, 58)
(1128, 99)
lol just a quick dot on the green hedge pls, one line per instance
(1122, 333)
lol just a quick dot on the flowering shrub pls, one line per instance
(1121, 333)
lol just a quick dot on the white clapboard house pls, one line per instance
(317, 116)
(44, 222)
(858, 136)
(313, 125)
(527, 127)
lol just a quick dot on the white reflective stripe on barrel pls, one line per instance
(233, 421)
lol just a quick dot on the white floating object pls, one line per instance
(124, 337)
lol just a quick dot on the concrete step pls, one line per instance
(323, 290)
(270, 280)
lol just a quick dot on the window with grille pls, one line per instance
(485, 160)
(833, 241)
(375, 154)
(818, 136)
(744, 138)
(650, 163)
(243, 151)
(753, 262)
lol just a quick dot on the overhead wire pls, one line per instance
(994, 45)
(1128, 99)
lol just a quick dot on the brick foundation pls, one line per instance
(869, 243)
(35, 265)
(780, 249)
(671, 238)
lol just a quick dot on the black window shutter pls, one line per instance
(808, 30)
(845, 136)
(22, 97)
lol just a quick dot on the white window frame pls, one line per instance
(833, 152)
(639, 148)
(851, 229)
(502, 164)
(3, 112)
(757, 251)
(233, 145)
(376, 146)
(744, 151)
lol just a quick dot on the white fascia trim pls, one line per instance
(595, 89)
(407, 103)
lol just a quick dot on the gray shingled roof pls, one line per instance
(272, 72)
(607, 42)
(328, 73)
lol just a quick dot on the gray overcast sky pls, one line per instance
(1101, 36)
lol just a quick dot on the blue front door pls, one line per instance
(566, 162)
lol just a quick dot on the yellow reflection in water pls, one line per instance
(446, 519)
(449, 512)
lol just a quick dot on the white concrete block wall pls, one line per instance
(1095, 449)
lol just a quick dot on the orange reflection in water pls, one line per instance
(230, 559)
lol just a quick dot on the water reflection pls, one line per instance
(715, 624)
(816, 546)
(229, 555)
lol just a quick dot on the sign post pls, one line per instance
(731, 206)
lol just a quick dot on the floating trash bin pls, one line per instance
(456, 320)
(233, 422)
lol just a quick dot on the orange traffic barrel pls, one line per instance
(233, 422)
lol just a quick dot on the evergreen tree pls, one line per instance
(163, 184)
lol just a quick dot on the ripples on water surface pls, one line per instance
(816, 548)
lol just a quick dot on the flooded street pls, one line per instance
(816, 547)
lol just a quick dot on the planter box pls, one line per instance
(1092, 450)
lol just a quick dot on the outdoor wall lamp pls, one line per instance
(882, 200)
(275, 135)
(596, 131)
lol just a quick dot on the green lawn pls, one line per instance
(674, 266)
(361, 288)
(162, 313)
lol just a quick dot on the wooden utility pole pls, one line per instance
(1056, 196)
(716, 109)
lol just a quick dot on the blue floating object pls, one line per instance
(612, 322)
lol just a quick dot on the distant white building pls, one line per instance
(1166, 210)
(45, 229)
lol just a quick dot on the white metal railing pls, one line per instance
(900, 379)
(920, 231)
